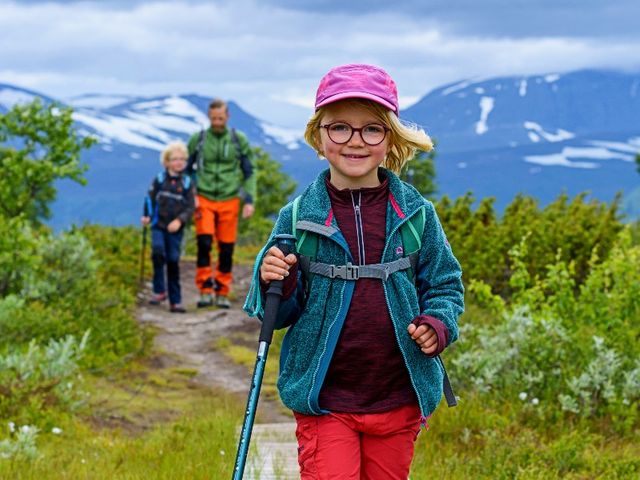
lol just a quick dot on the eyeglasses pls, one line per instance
(340, 132)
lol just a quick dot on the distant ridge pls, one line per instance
(538, 134)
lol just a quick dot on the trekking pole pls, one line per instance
(286, 243)
(142, 255)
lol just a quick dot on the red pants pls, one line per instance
(371, 446)
(215, 220)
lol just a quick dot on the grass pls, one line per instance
(473, 441)
(144, 423)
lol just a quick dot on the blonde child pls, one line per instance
(167, 207)
(359, 365)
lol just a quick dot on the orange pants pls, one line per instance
(216, 220)
(370, 446)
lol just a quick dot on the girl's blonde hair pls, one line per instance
(169, 149)
(404, 138)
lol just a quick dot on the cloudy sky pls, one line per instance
(269, 55)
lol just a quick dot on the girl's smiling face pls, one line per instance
(353, 164)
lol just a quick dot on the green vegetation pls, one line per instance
(37, 146)
(421, 173)
(274, 190)
(547, 366)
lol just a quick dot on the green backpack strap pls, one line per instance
(306, 243)
(411, 233)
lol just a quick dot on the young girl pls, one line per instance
(167, 207)
(366, 320)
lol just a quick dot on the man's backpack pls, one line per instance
(195, 160)
(411, 233)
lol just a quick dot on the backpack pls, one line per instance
(160, 194)
(195, 160)
(411, 233)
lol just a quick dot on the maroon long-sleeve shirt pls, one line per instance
(367, 373)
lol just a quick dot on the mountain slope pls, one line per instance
(540, 135)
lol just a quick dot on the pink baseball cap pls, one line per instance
(357, 80)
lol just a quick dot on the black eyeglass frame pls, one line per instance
(353, 130)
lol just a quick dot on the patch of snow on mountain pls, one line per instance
(456, 87)
(563, 159)
(184, 108)
(595, 153)
(551, 78)
(558, 160)
(534, 137)
(287, 136)
(166, 122)
(486, 105)
(9, 97)
(559, 136)
(635, 141)
(148, 105)
(522, 89)
(125, 130)
(623, 147)
(98, 101)
(479, 90)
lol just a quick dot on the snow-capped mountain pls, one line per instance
(539, 135)
(496, 137)
(131, 132)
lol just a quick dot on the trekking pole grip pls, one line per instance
(286, 243)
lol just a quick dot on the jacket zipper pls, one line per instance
(359, 227)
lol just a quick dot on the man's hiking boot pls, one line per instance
(222, 302)
(206, 300)
(157, 298)
(177, 308)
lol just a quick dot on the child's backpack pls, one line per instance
(165, 200)
(411, 233)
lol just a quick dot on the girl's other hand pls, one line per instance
(425, 337)
(275, 266)
(145, 221)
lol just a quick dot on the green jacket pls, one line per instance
(218, 176)
(315, 322)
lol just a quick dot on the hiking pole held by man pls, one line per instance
(286, 243)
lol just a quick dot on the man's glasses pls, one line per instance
(341, 132)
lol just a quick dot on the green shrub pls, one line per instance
(556, 351)
(40, 378)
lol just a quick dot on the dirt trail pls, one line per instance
(190, 340)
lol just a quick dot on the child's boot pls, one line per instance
(177, 308)
(157, 298)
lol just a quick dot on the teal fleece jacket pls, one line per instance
(315, 320)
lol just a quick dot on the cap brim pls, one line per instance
(368, 96)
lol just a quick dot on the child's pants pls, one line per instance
(216, 220)
(371, 446)
(165, 250)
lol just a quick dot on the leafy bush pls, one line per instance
(482, 242)
(557, 349)
(38, 145)
(39, 378)
(274, 189)
(68, 284)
